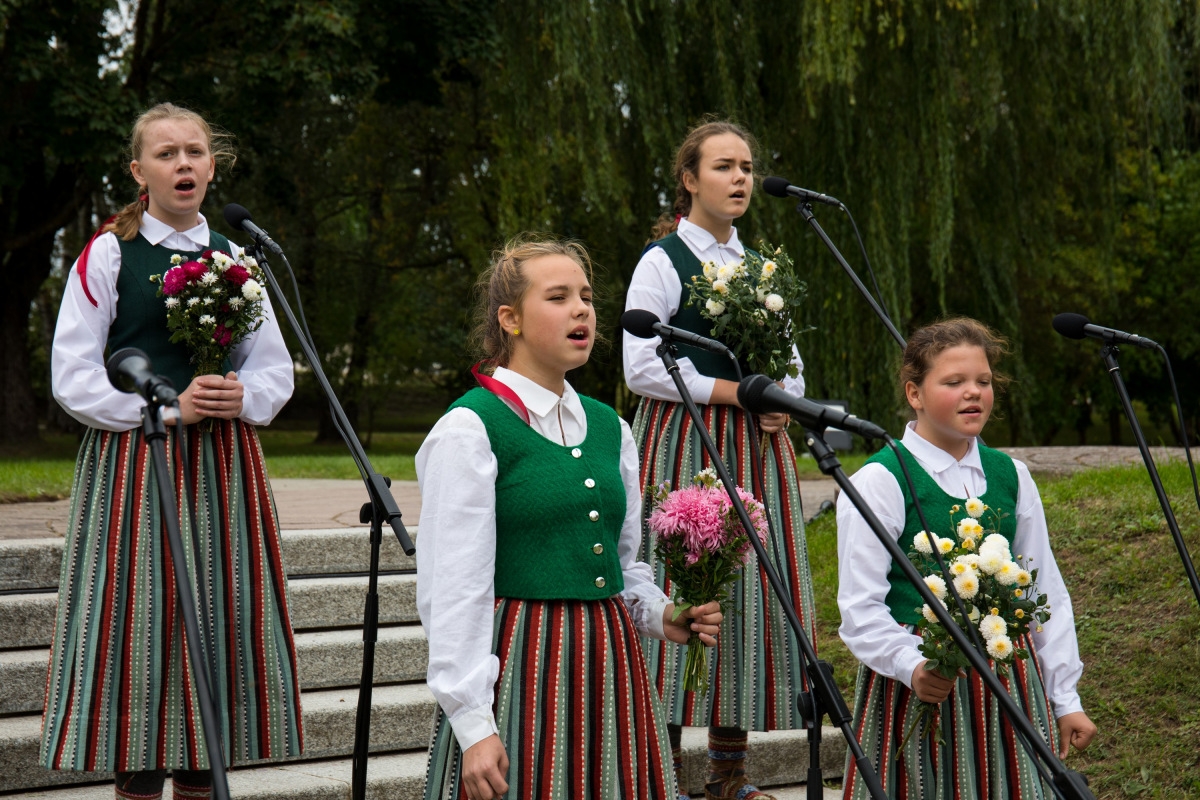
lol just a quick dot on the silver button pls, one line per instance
(597, 548)
(600, 582)
(577, 452)
(589, 483)
(594, 515)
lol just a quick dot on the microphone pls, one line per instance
(1077, 326)
(129, 371)
(780, 187)
(238, 217)
(758, 394)
(644, 324)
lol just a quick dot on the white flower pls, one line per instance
(710, 270)
(207, 319)
(1000, 647)
(208, 301)
(208, 278)
(970, 559)
(960, 567)
(236, 302)
(991, 562)
(222, 261)
(774, 302)
(945, 545)
(1024, 577)
(995, 543)
(922, 543)
(973, 613)
(992, 626)
(969, 529)
(719, 286)
(725, 272)
(760, 293)
(927, 612)
(172, 302)
(768, 270)
(252, 291)
(936, 585)
(192, 301)
(1007, 574)
(176, 259)
(714, 307)
(975, 507)
(250, 262)
(967, 585)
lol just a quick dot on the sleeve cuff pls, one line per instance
(1067, 704)
(654, 619)
(473, 726)
(906, 664)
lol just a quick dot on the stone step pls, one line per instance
(779, 758)
(27, 620)
(29, 564)
(328, 659)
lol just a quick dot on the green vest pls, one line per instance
(902, 599)
(688, 317)
(559, 510)
(141, 315)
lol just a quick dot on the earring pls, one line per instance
(516, 331)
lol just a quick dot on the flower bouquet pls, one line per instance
(703, 545)
(999, 594)
(212, 304)
(752, 306)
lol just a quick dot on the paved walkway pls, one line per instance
(322, 504)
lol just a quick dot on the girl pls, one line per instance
(948, 380)
(120, 695)
(527, 580)
(758, 664)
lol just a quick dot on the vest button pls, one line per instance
(600, 582)
(594, 516)
(576, 452)
(589, 483)
(597, 548)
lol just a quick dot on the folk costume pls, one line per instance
(532, 598)
(757, 667)
(981, 757)
(120, 692)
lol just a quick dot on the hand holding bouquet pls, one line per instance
(703, 545)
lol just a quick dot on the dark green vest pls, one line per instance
(688, 317)
(902, 599)
(559, 510)
(141, 317)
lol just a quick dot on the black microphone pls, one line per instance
(1077, 326)
(129, 371)
(780, 187)
(758, 394)
(238, 217)
(644, 324)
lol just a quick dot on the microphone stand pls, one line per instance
(1108, 354)
(155, 435)
(382, 507)
(1068, 784)
(805, 209)
(822, 688)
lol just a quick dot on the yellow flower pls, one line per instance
(1019, 613)
(768, 269)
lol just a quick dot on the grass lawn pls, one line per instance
(1138, 626)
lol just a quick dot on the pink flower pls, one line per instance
(222, 335)
(207, 255)
(692, 514)
(193, 270)
(237, 275)
(174, 281)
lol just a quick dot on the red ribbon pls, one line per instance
(500, 390)
(87, 250)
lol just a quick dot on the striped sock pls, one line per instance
(147, 785)
(191, 785)
(726, 779)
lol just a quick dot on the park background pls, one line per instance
(1005, 160)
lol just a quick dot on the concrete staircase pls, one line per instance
(328, 584)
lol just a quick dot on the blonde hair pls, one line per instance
(930, 341)
(687, 161)
(127, 221)
(504, 283)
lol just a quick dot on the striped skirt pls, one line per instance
(120, 694)
(978, 756)
(756, 669)
(576, 711)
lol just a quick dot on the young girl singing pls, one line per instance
(120, 696)
(758, 669)
(949, 383)
(528, 583)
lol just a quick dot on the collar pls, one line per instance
(702, 240)
(935, 458)
(538, 400)
(156, 231)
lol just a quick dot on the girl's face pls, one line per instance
(556, 320)
(723, 182)
(954, 401)
(174, 169)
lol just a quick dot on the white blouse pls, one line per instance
(655, 287)
(77, 368)
(456, 549)
(868, 627)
